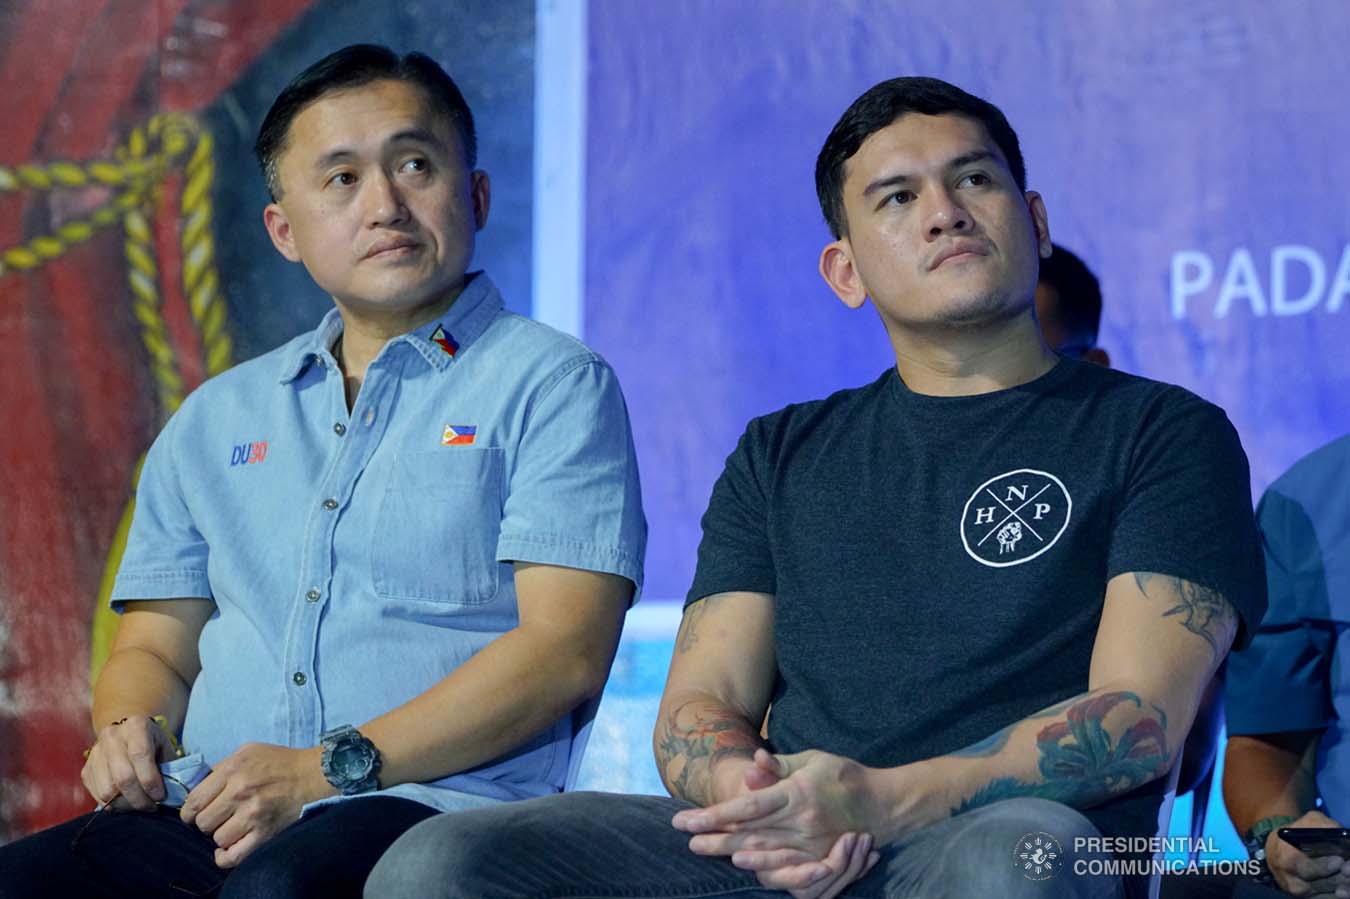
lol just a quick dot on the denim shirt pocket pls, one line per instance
(436, 533)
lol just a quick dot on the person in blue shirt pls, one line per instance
(1288, 698)
(372, 573)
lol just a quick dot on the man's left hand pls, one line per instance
(253, 794)
(818, 797)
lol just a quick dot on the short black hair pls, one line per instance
(1079, 309)
(883, 104)
(350, 67)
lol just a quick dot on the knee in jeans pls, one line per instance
(442, 857)
(273, 876)
(1022, 847)
(1010, 819)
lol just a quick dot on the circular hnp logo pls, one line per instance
(1014, 517)
(1038, 856)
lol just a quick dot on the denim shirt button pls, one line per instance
(330, 504)
(339, 428)
(299, 678)
(312, 595)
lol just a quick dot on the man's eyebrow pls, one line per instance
(407, 135)
(415, 135)
(900, 179)
(332, 157)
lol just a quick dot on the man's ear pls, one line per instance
(838, 270)
(481, 189)
(1040, 220)
(279, 229)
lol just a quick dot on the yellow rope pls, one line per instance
(151, 151)
(200, 282)
(164, 143)
(201, 286)
(54, 175)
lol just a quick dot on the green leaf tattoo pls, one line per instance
(1081, 761)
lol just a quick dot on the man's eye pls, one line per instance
(901, 197)
(343, 179)
(976, 179)
(416, 165)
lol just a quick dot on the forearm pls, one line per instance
(1269, 775)
(135, 681)
(1079, 752)
(695, 735)
(506, 693)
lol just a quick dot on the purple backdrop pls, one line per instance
(1191, 153)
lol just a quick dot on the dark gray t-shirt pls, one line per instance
(939, 564)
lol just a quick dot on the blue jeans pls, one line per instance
(328, 853)
(604, 846)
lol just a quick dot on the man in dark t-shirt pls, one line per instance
(978, 598)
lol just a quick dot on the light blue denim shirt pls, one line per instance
(355, 559)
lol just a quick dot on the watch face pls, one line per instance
(351, 761)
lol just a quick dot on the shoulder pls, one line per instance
(1145, 411)
(1115, 386)
(1302, 513)
(1320, 474)
(543, 351)
(812, 421)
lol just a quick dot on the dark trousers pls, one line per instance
(328, 853)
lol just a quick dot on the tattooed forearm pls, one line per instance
(1201, 611)
(1081, 759)
(692, 739)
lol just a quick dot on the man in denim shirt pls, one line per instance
(386, 560)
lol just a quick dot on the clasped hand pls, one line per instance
(804, 823)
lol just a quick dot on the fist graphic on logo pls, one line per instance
(1008, 535)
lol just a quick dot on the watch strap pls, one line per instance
(1255, 842)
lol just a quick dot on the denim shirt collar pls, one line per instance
(459, 326)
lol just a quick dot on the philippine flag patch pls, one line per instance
(442, 339)
(458, 435)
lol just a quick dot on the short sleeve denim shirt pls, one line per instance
(355, 559)
(1295, 674)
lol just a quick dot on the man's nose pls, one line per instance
(385, 204)
(945, 213)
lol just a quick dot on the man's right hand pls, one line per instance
(124, 763)
(1298, 874)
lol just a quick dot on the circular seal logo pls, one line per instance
(1014, 517)
(1038, 856)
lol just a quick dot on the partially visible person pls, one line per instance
(1069, 306)
(1288, 698)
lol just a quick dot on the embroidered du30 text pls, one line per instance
(248, 453)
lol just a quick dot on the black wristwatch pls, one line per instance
(351, 763)
(1255, 842)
